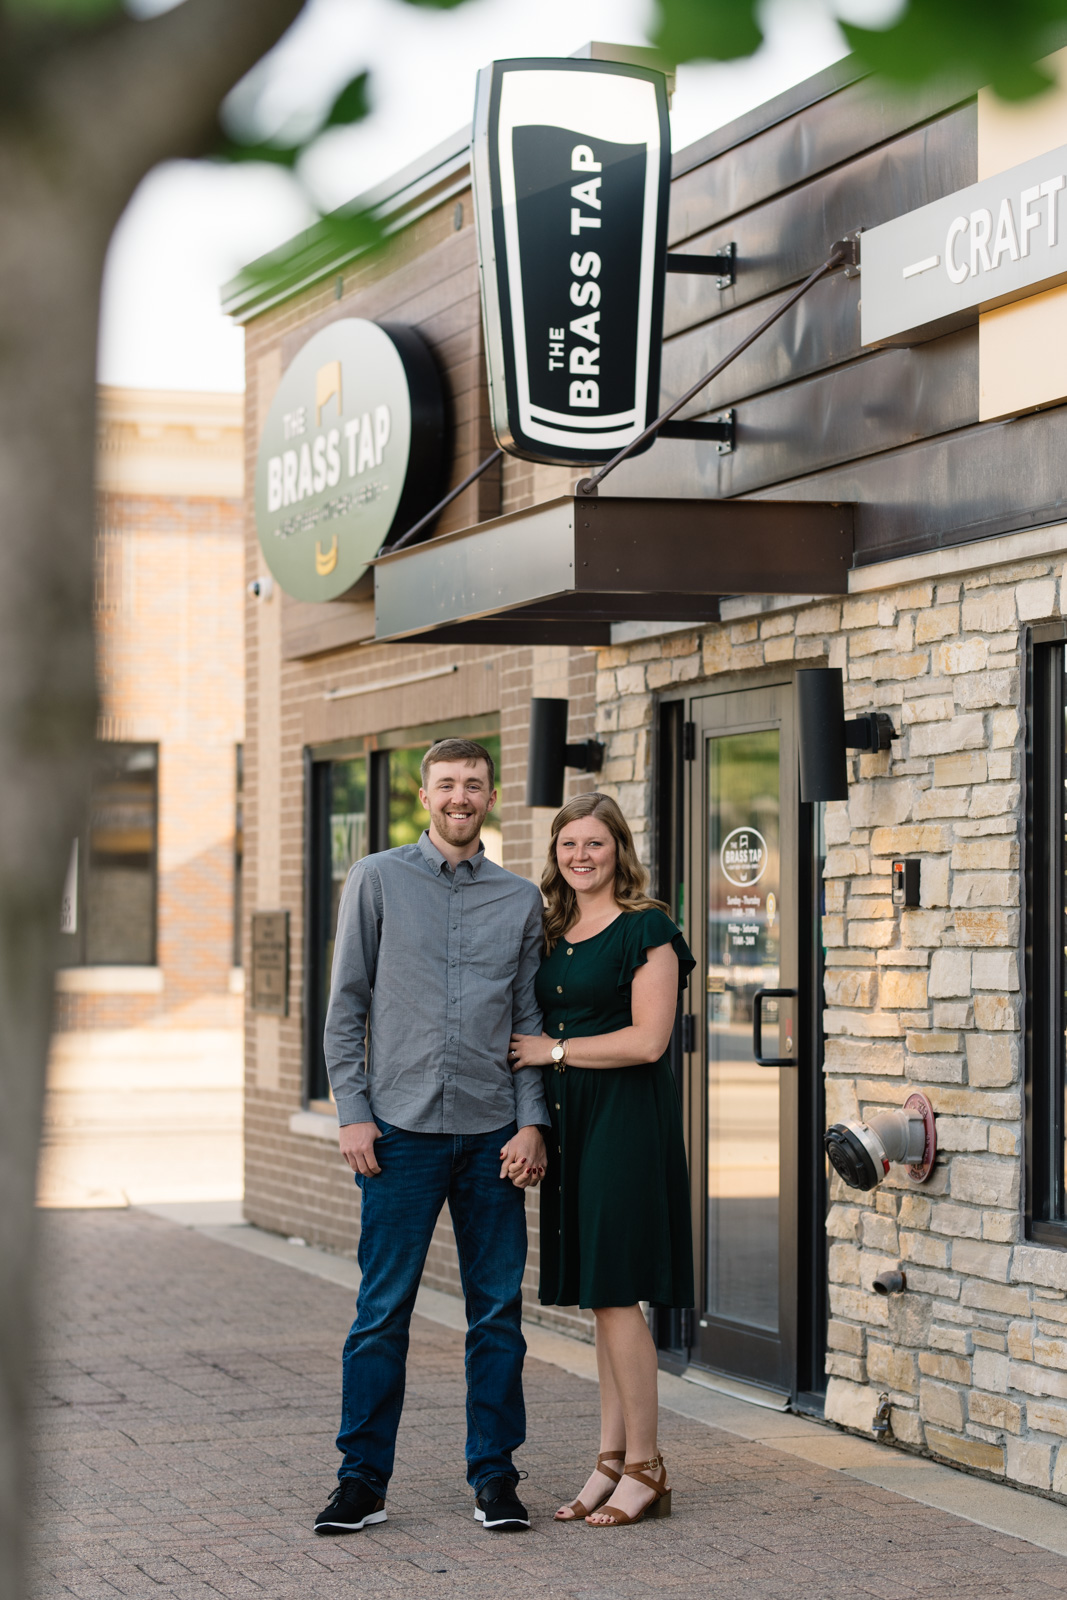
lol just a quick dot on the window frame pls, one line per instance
(1045, 966)
(75, 954)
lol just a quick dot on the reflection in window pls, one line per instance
(1046, 1123)
(743, 943)
(238, 850)
(120, 888)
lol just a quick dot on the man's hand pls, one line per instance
(357, 1147)
(523, 1158)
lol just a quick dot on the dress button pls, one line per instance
(559, 988)
(570, 952)
(561, 1027)
(557, 1105)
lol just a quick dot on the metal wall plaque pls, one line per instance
(982, 247)
(350, 457)
(270, 962)
(571, 168)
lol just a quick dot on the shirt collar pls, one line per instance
(437, 862)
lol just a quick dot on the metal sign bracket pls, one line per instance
(717, 430)
(721, 266)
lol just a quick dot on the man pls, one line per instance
(434, 965)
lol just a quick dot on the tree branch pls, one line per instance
(135, 93)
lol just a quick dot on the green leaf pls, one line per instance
(351, 105)
(322, 247)
(276, 155)
(68, 10)
(706, 30)
(996, 42)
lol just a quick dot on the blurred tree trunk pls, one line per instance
(84, 114)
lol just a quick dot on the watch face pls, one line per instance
(557, 1052)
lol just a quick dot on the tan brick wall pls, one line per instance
(171, 672)
(974, 1354)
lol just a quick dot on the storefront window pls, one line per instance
(238, 850)
(1046, 1065)
(361, 801)
(112, 918)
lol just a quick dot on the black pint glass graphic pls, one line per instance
(580, 204)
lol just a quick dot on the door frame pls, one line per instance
(678, 851)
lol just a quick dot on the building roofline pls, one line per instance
(444, 170)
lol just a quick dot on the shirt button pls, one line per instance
(453, 999)
(455, 925)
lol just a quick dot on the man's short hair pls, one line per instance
(466, 750)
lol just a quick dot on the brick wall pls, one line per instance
(171, 672)
(974, 1354)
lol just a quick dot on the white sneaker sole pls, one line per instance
(504, 1522)
(353, 1527)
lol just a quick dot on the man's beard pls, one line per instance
(458, 830)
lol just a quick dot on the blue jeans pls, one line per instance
(400, 1207)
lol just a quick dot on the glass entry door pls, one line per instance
(743, 832)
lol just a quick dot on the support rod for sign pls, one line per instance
(424, 522)
(844, 253)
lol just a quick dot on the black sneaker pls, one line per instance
(498, 1508)
(351, 1506)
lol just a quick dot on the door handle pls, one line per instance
(757, 1027)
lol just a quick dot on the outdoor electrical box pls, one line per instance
(906, 883)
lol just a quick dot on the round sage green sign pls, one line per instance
(339, 466)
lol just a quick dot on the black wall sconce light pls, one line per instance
(550, 754)
(823, 733)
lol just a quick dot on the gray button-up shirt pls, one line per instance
(433, 970)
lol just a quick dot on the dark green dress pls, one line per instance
(615, 1217)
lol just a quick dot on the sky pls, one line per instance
(192, 225)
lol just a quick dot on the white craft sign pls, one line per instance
(998, 241)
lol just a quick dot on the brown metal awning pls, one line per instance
(565, 570)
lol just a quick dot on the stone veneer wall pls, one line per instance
(974, 1354)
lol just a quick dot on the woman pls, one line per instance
(615, 1222)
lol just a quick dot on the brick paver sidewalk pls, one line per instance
(188, 1400)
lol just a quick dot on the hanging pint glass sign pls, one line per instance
(571, 165)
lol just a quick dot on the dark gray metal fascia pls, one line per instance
(603, 560)
(483, 571)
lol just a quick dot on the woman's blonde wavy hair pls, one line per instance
(631, 879)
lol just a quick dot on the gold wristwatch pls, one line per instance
(559, 1052)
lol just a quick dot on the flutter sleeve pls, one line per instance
(643, 931)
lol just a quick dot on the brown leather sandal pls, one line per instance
(659, 1506)
(576, 1506)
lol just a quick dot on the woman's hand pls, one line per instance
(530, 1050)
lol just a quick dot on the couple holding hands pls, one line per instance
(481, 1041)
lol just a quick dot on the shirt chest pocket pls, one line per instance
(494, 958)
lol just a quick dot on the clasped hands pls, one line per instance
(530, 1050)
(522, 1158)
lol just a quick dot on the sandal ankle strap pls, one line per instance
(633, 1467)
